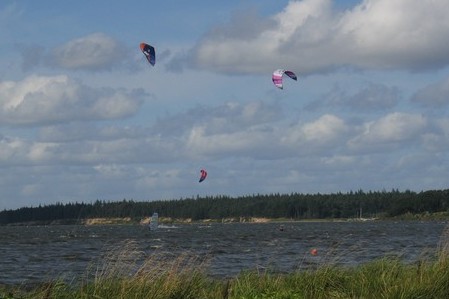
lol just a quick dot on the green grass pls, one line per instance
(385, 278)
(121, 274)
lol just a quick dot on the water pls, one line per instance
(40, 253)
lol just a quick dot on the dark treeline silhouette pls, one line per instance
(292, 206)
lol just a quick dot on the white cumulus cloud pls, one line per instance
(58, 99)
(396, 129)
(94, 51)
(311, 36)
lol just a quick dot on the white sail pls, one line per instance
(154, 223)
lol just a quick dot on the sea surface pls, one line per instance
(33, 254)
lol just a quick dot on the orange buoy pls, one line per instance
(314, 251)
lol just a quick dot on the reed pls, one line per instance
(385, 278)
(125, 272)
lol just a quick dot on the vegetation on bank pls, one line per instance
(295, 206)
(121, 275)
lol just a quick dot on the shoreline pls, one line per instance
(248, 220)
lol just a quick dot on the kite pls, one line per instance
(277, 77)
(203, 175)
(149, 53)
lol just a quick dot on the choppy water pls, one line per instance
(39, 253)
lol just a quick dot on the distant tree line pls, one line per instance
(294, 206)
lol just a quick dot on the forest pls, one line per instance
(295, 206)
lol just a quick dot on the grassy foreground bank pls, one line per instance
(379, 279)
(124, 274)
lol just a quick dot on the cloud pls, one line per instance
(317, 136)
(38, 100)
(120, 150)
(11, 149)
(328, 139)
(437, 139)
(226, 118)
(435, 95)
(310, 36)
(247, 142)
(93, 52)
(374, 97)
(233, 128)
(393, 130)
(243, 25)
(252, 130)
(370, 98)
(78, 131)
(270, 140)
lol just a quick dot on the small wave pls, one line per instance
(167, 226)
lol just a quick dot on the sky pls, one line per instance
(84, 116)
